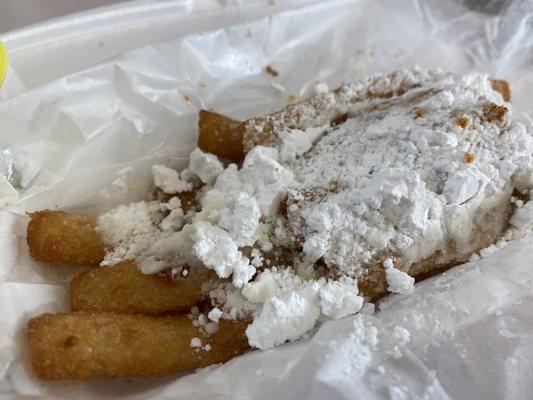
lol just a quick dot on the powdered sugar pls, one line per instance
(206, 166)
(398, 281)
(265, 286)
(215, 248)
(285, 318)
(299, 142)
(488, 251)
(339, 299)
(240, 218)
(392, 175)
(169, 180)
(174, 220)
(215, 314)
(523, 217)
(129, 230)
(347, 180)
(268, 178)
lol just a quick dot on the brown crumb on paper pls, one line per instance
(271, 71)
(293, 98)
(469, 157)
(271, 2)
(417, 112)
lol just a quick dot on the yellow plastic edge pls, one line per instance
(3, 63)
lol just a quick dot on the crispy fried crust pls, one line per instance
(61, 238)
(123, 288)
(85, 345)
(221, 136)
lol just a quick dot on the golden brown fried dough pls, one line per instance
(85, 344)
(221, 136)
(58, 237)
(123, 288)
(502, 87)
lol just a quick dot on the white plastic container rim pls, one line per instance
(56, 48)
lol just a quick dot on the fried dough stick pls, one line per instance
(123, 288)
(58, 237)
(86, 345)
(61, 238)
(230, 139)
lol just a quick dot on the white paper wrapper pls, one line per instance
(85, 142)
(50, 50)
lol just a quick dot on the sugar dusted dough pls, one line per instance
(341, 198)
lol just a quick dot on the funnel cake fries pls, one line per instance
(57, 237)
(64, 239)
(284, 221)
(123, 288)
(83, 345)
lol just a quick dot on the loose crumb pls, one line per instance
(271, 71)
(469, 157)
(417, 112)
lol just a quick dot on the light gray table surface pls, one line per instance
(16, 14)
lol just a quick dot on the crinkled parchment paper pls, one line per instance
(84, 143)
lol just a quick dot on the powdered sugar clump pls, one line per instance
(299, 142)
(169, 180)
(339, 299)
(398, 281)
(174, 220)
(285, 318)
(215, 314)
(523, 217)
(264, 286)
(240, 218)
(215, 248)
(206, 166)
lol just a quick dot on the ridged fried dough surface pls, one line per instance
(123, 288)
(85, 344)
(58, 237)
